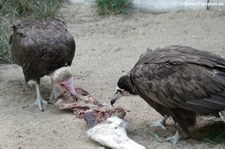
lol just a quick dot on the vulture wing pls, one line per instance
(182, 77)
(41, 46)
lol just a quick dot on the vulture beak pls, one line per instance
(116, 96)
(68, 85)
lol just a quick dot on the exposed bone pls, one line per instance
(106, 124)
(112, 133)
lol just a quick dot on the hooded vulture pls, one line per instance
(178, 82)
(44, 47)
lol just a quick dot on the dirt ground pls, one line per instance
(107, 47)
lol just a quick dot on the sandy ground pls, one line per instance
(107, 47)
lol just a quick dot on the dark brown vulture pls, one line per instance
(179, 82)
(44, 47)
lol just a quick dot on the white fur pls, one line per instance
(61, 74)
(112, 133)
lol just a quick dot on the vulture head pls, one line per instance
(123, 88)
(63, 77)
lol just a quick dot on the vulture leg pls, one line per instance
(39, 100)
(174, 139)
(180, 134)
(54, 93)
(160, 123)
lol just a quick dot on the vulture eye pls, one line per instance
(62, 84)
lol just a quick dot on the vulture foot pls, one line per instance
(160, 123)
(54, 94)
(39, 102)
(174, 139)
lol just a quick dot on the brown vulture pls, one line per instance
(178, 82)
(44, 47)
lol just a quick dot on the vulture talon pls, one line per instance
(39, 102)
(174, 139)
(160, 123)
